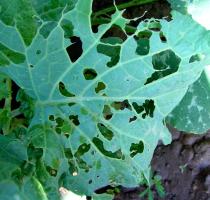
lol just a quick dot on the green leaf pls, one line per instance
(12, 150)
(9, 191)
(4, 118)
(159, 187)
(129, 105)
(13, 153)
(192, 114)
(33, 190)
(26, 104)
(44, 137)
(27, 15)
(22, 14)
(150, 195)
(102, 197)
(51, 10)
(3, 89)
(179, 5)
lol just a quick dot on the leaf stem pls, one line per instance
(7, 105)
(9, 98)
(123, 6)
(15, 113)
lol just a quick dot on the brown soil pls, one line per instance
(184, 167)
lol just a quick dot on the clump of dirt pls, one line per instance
(184, 167)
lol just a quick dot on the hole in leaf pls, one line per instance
(74, 119)
(71, 104)
(134, 118)
(63, 126)
(75, 49)
(163, 37)
(51, 118)
(67, 129)
(144, 35)
(38, 52)
(131, 27)
(51, 171)
(100, 86)
(58, 130)
(66, 135)
(154, 25)
(100, 19)
(83, 165)
(121, 105)
(138, 108)
(72, 167)
(90, 181)
(75, 173)
(195, 58)
(143, 42)
(99, 144)
(111, 51)
(147, 108)
(31, 66)
(107, 113)
(107, 133)
(110, 47)
(83, 148)
(64, 91)
(67, 26)
(68, 153)
(115, 31)
(136, 148)
(59, 121)
(165, 63)
(143, 47)
(89, 74)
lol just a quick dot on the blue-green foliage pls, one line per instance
(95, 120)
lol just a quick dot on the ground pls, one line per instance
(184, 167)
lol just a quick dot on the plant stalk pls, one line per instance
(122, 6)
(7, 105)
